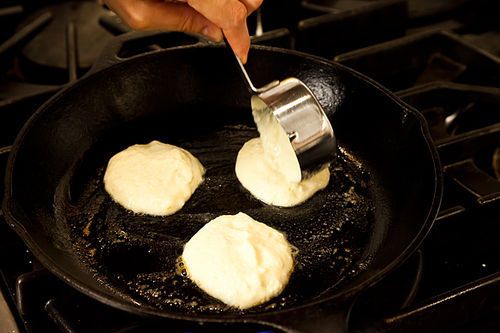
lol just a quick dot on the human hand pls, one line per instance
(212, 18)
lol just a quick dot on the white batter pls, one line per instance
(238, 260)
(267, 183)
(276, 142)
(154, 179)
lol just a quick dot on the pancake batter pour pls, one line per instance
(268, 167)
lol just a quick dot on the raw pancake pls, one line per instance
(154, 179)
(276, 141)
(267, 183)
(238, 260)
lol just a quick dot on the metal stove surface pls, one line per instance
(442, 57)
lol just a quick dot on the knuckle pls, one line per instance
(135, 18)
(186, 24)
(238, 14)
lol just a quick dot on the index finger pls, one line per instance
(227, 14)
(251, 6)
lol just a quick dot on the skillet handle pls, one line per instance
(142, 42)
(319, 318)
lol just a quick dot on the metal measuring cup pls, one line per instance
(300, 115)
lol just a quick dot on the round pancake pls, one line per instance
(238, 260)
(155, 178)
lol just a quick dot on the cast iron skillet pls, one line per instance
(383, 197)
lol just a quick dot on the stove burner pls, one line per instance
(336, 5)
(489, 41)
(72, 40)
(496, 162)
(7, 17)
(424, 58)
(430, 8)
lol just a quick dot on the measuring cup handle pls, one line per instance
(244, 74)
(251, 88)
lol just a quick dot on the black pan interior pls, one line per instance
(137, 254)
(384, 183)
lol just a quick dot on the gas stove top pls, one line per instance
(442, 57)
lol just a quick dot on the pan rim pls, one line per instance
(138, 308)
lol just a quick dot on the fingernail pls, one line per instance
(243, 57)
(213, 33)
(243, 54)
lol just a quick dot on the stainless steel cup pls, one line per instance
(306, 124)
(301, 116)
